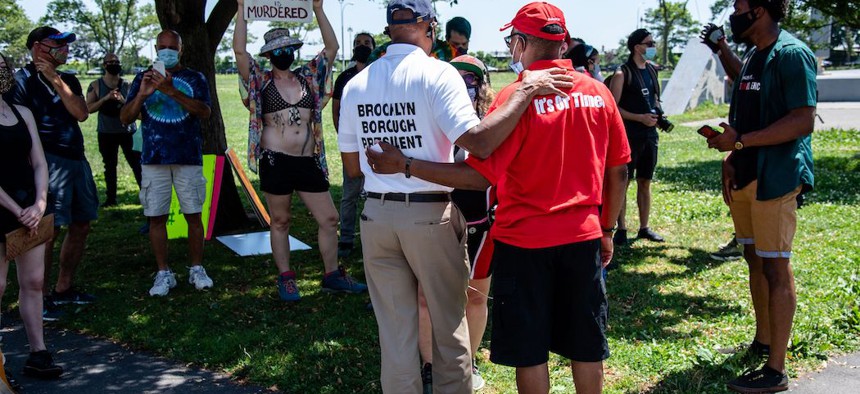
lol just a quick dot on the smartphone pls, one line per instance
(158, 65)
(708, 132)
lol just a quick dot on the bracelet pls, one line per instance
(609, 230)
(408, 164)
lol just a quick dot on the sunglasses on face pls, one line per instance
(649, 44)
(509, 38)
(471, 79)
(112, 62)
(63, 45)
(283, 51)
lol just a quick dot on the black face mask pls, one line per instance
(740, 24)
(113, 69)
(361, 53)
(283, 62)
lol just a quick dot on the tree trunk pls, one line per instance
(200, 39)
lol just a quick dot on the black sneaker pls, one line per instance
(730, 251)
(764, 380)
(427, 378)
(344, 249)
(755, 349)
(41, 365)
(620, 238)
(72, 296)
(50, 310)
(647, 233)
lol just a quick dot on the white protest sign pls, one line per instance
(279, 10)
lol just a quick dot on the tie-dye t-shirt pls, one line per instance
(171, 134)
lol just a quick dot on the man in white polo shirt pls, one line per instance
(411, 232)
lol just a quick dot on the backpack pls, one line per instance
(627, 80)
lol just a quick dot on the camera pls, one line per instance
(663, 123)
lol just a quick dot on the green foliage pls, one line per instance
(111, 26)
(671, 307)
(672, 26)
(13, 35)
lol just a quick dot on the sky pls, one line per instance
(602, 23)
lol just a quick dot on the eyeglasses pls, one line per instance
(509, 38)
(471, 79)
(649, 44)
(283, 51)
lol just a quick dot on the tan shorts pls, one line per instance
(769, 225)
(159, 181)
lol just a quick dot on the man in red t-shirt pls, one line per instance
(565, 158)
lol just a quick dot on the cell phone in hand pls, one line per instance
(158, 66)
(708, 132)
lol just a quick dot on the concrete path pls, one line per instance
(95, 366)
(841, 376)
(832, 116)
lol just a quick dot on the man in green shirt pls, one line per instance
(767, 170)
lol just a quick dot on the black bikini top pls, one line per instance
(274, 102)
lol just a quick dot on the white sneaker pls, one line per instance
(164, 281)
(197, 277)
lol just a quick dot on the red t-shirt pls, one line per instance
(549, 172)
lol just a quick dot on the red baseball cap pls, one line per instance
(535, 16)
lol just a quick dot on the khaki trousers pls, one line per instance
(404, 244)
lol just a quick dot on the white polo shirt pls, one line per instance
(412, 101)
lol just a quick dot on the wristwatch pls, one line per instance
(738, 144)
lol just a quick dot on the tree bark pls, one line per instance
(200, 39)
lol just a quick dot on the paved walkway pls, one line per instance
(831, 116)
(841, 376)
(95, 366)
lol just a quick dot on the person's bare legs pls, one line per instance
(31, 266)
(782, 303)
(622, 216)
(49, 260)
(158, 239)
(195, 238)
(643, 201)
(322, 208)
(279, 209)
(587, 377)
(425, 329)
(533, 380)
(71, 254)
(759, 290)
(476, 311)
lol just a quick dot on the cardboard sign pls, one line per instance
(250, 193)
(20, 241)
(279, 10)
(255, 244)
(177, 227)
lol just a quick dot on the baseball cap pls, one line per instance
(41, 33)
(422, 10)
(470, 64)
(535, 16)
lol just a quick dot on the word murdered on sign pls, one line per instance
(279, 10)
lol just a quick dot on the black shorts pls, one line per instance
(281, 174)
(643, 154)
(548, 300)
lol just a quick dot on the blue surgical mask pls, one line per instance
(473, 93)
(170, 57)
(516, 67)
(650, 53)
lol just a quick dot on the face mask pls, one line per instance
(650, 52)
(473, 93)
(170, 57)
(284, 61)
(6, 80)
(114, 69)
(460, 51)
(596, 73)
(361, 53)
(740, 24)
(59, 55)
(516, 67)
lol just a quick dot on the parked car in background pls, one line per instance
(95, 71)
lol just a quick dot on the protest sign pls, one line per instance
(279, 10)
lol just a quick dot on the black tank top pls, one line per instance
(15, 146)
(632, 99)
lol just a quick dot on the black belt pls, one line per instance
(411, 197)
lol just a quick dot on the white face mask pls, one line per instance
(516, 67)
(596, 73)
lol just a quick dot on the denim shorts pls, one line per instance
(72, 193)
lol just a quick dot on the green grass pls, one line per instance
(671, 307)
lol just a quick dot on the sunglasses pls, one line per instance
(112, 62)
(649, 44)
(283, 51)
(509, 38)
(63, 45)
(471, 79)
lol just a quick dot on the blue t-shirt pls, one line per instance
(58, 129)
(171, 134)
